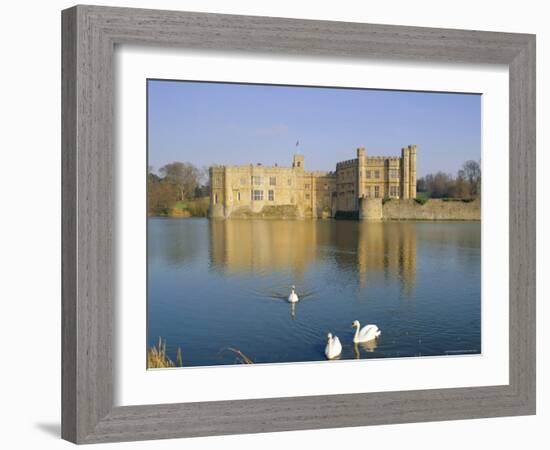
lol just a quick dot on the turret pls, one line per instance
(361, 175)
(412, 171)
(298, 162)
(405, 175)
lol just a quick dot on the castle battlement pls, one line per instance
(346, 164)
(319, 173)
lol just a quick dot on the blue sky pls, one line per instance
(219, 123)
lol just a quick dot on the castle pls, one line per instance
(252, 189)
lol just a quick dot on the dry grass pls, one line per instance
(158, 359)
(242, 358)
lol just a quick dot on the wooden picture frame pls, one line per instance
(90, 34)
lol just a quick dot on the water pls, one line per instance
(215, 285)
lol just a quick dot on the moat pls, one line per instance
(220, 284)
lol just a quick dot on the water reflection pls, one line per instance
(363, 249)
(225, 284)
(367, 347)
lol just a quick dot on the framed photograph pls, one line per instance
(278, 224)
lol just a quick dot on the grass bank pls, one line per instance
(197, 207)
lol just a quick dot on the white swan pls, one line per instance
(333, 348)
(293, 297)
(365, 334)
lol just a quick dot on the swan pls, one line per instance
(293, 297)
(365, 334)
(333, 348)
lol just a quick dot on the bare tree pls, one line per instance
(183, 176)
(460, 188)
(203, 190)
(438, 184)
(421, 185)
(472, 174)
(466, 184)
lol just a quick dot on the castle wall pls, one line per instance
(323, 189)
(433, 209)
(251, 187)
(346, 185)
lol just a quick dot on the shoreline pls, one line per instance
(303, 219)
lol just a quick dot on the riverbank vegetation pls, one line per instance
(178, 189)
(158, 359)
(241, 357)
(466, 185)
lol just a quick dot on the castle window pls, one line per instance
(257, 195)
(257, 181)
(368, 173)
(215, 198)
(307, 186)
(290, 181)
(368, 191)
(298, 164)
(270, 195)
(376, 191)
(239, 196)
(393, 191)
(326, 187)
(307, 196)
(394, 173)
(272, 181)
(376, 174)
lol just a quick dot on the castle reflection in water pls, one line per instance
(364, 249)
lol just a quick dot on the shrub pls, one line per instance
(198, 207)
(423, 195)
(421, 200)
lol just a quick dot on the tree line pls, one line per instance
(177, 184)
(465, 185)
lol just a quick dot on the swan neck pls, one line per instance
(357, 331)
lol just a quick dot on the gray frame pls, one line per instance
(89, 37)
